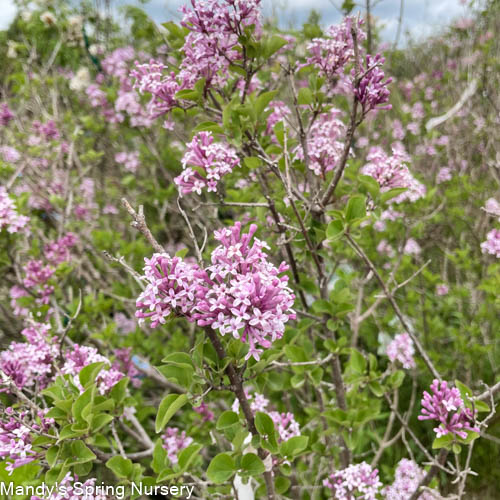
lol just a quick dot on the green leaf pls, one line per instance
(357, 362)
(442, 442)
(356, 208)
(89, 373)
(208, 127)
(51, 455)
(121, 467)
(481, 406)
(335, 230)
(396, 379)
(252, 465)
(221, 468)
(456, 448)
(370, 184)
(273, 45)
(169, 405)
(187, 455)
(294, 446)
(376, 388)
(252, 162)
(119, 390)
(392, 193)
(82, 401)
(263, 101)
(282, 484)
(81, 453)
(305, 96)
(264, 424)
(227, 419)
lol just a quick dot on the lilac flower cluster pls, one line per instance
(447, 407)
(492, 207)
(174, 442)
(492, 243)
(412, 247)
(205, 163)
(204, 411)
(10, 154)
(401, 349)
(16, 438)
(47, 130)
(214, 28)
(30, 364)
(171, 289)
(330, 55)
(371, 91)
(240, 293)
(6, 114)
(79, 356)
(279, 112)
(123, 363)
(392, 172)
(355, 481)
(129, 160)
(116, 66)
(58, 251)
(324, 144)
(406, 481)
(151, 78)
(442, 289)
(209, 48)
(9, 217)
(285, 423)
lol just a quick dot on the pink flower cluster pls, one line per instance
(58, 251)
(279, 112)
(16, 438)
(9, 217)
(151, 78)
(355, 481)
(401, 349)
(324, 144)
(492, 243)
(241, 293)
(6, 114)
(492, 207)
(30, 364)
(123, 363)
(209, 48)
(406, 481)
(116, 65)
(47, 130)
(205, 163)
(174, 442)
(204, 411)
(129, 160)
(447, 407)
(284, 423)
(442, 289)
(79, 356)
(371, 91)
(10, 154)
(392, 172)
(214, 28)
(330, 55)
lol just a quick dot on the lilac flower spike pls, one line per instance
(447, 407)
(240, 293)
(355, 481)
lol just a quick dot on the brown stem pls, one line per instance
(140, 224)
(237, 388)
(395, 306)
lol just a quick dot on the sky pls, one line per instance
(420, 17)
